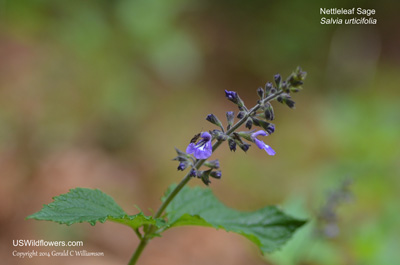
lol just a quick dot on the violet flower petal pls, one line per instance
(191, 148)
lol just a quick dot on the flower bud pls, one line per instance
(244, 146)
(241, 114)
(300, 75)
(249, 123)
(193, 172)
(182, 166)
(232, 96)
(270, 128)
(278, 79)
(285, 98)
(261, 92)
(296, 89)
(216, 174)
(214, 120)
(212, 164)
(268, 87)
(296, 80)
(230, 116)
(269, 112)
(290, 103)
(232, 145)
(285, 87)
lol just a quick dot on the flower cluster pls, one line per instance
(200, 147)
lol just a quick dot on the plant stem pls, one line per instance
(150, 229)
(138, 252)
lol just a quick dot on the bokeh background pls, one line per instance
(98, 93)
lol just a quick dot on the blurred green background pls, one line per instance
(98, 93)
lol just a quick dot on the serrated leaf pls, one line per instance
(90, 205)
(269, 228)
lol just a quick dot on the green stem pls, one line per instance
(138, 252)
(150, 229)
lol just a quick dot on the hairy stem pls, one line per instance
(151, 229)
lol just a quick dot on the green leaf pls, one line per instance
(269, 228)
(90, 205)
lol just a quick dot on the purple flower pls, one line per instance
(260, 144)
(232, 96)
(203, 148)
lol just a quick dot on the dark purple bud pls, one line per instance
(285, 98)
(269, 112)
(232, 145)
(182, 166)
(244, 147)
(285, 87)
(278, 79)
(230, 116)
(214, 120)
(241, 114)
(270, 128)
(268, 87)
(193, 172)
(232, 96)
(249, 123)
(290, 103)
(216, 174)
(260, 92)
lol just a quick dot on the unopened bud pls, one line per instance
(241, 114)
(249, 123)
(230, 116)
(244, 146)
(270, 128)
(278, 79)
(193, 172)
(216, 174)
(269, 112)
(232, 145)
(212, 164)
(214, 120)
(290, 103)
(260, 92)
(182, 166)
(232, 96)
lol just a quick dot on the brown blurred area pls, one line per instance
(98, 94)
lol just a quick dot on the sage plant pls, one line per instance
(269, 228)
